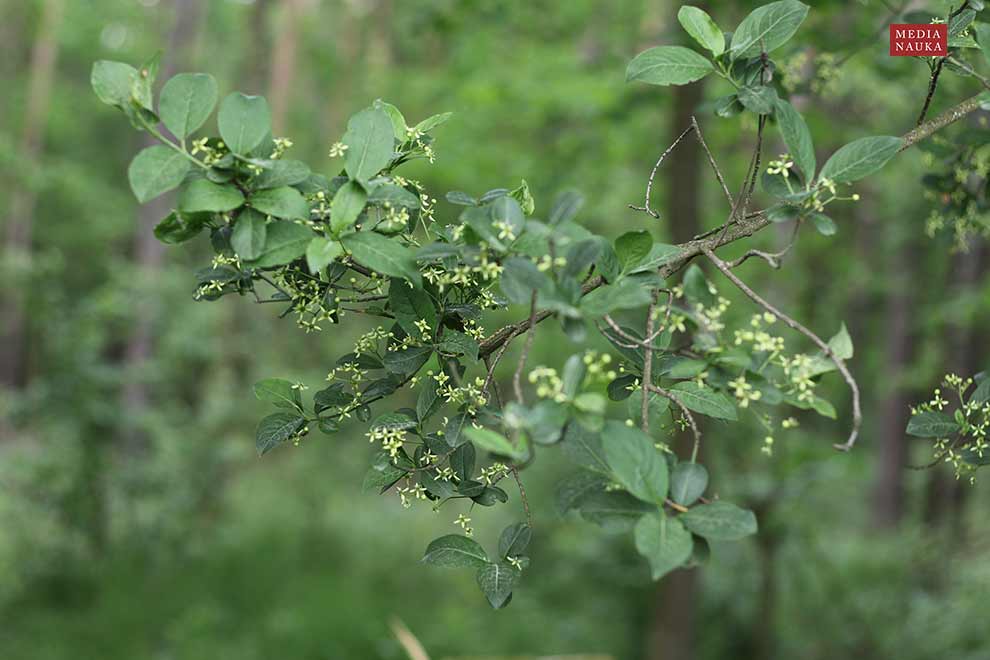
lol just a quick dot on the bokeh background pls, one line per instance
(136, 520)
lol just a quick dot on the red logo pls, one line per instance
(919, 40)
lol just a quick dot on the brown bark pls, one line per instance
(148, 251)
(673, 621)
(284, 64)
(888, 488)
(20, 214)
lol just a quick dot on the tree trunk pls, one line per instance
(148, 251)
(20, 215)
(284, 64)
(671, 635)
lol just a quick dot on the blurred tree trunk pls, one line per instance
(148, 251)
(673, 621)
(20, 213)
(945, 495)
(284, 64)
(888, 487)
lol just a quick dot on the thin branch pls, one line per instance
(647, 368)
(522, 495)
(711, 158)
(932, 85)
(772, 258)
(653, 174)
(791, 323)
(687, 415)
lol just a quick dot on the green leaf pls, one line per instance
(767, 28)
(688, 482)
(841, 344)
(626, 294)
(575, 487)
(668, 65)
(797, 137)
(455, 551)
(860, 158)
(584, 448)
(112, 82)
(632, 248)
(410, 305)
(347, 206)
(249, 235)
(320, 252)
(156, 170)
(382, 474)
(428, 400)
(186, 102)
(275, 429)
(702, 29)
(408, 360)
(279, 392)
(982, 31)
(458, 343)
(720, 521)
(244, 121)
(514, 540)
(393, 195)
(700, 399)
(615, 511)
(141, 85)
(286, 241)
(370, 141)
(496, 582)
(282, 173)
(179, 227)
(383, 255)
(284, 202)
(395, 115)
(635, 462)
(658, 255)
(433, 121)
(520, 277)
(761, 99)
(506, 210)
(454, 432)
(824, 225)
(663, 541)
(493, 442)
(932, 424)
(981, 394)
(202, 195)
(565, 206)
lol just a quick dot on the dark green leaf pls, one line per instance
(383, 255)
(249, 235)
(282, 173)
(347, 206)
(700, 399)
(702, 29)
(409, 305)
(279, 392)
(458, 343)
(286, 241)
(180, 227)
(688, 482)
(860, 158)
(632, 248)
(932, 424)
(496, 582)
(275, 429)
(759, 99)
(202, 195)
(370, 141)
(408, 360)
(285, 202)
(797, 137)
(514, 540)
(455, 551)
(767, 28)
(584, 448)
(635, 462)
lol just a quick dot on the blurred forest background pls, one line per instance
(136, 520)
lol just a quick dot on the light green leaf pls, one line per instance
(432, 122)
(493, 442)
(520, 277)
(370, 141)
(688, 482)
(286, 241)
(112, 82)
(632, 248)
(186, 102)
(347, 205)
(841, 344)
(668, 65)
(244, 121)
(320, 252)
(720, 521)
(202, 195)
(982, 31)
(496, 582)
(797, 137)
(635, 462)
(767, 28)
(156, 170)
(383, 255)
(284, 202)
(760, 99)
(249, 235)
(658, 255)
(702, 29)
(824, 225)
(860, 158)
(626, 294)
(279, 392)
(455, 551)
(663, 541)
(275, 429)
(700, 399)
